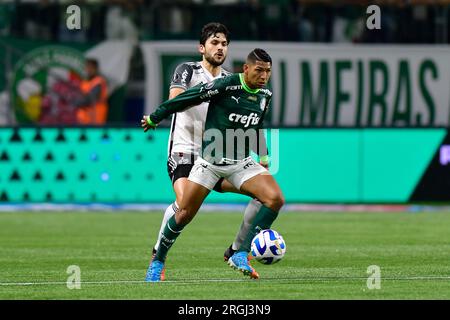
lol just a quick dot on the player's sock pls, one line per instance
(170, 211)
(263, 220)
(171, 232)
(249, 215)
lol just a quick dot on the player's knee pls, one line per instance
(184, 216)
(282, 200)
(178, 197)
(275, 201)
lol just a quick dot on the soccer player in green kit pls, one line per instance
(238, 104)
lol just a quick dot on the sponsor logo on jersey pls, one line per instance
(238, 87)
(209, 94)
(262, 104)
(209, 85)
(266, 91)
(236, 99)
(244, 119)
(183, 77)
(252, 98)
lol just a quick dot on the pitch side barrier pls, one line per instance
(312, 165)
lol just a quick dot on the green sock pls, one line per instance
(263, 220)
(171, 232)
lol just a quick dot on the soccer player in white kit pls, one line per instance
(187, 128)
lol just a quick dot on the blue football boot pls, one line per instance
(154, 271)
(239, 261)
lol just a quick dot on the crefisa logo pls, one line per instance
(45, 84)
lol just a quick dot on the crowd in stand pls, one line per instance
(281, 20)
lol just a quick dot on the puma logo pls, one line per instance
(237, 99)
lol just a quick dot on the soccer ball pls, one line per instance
(268, 247)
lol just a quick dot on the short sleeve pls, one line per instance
(182, 76)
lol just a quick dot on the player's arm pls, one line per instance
(187, 99)
(181, 79)
(179, 84)
(173, 92)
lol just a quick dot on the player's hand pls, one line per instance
(146, 123)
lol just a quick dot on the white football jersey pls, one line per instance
(187, 127)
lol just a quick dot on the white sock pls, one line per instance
(170, 211)
(249, 214)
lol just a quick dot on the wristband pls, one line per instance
(264, 159)
(150, 122)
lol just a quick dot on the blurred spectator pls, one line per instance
(7, 13)
(348, 25)
(6, 114)
(93, 104)
(304, 27)
(119, 24)
(40, 19)
(57, 105)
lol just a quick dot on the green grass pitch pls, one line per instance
(327, 256)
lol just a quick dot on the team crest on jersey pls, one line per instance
(262, 104)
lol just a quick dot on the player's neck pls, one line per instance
(247, 82)
(214, 70)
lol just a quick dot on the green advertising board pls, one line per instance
(122, 165)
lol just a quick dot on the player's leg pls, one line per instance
(264, 187)
(193, 197)
(178, 174)
(227, 186)
(201, 181)
(250, 177)
(178, 188)
(249, 214)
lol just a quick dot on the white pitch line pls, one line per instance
(322, 279)
(119, 282)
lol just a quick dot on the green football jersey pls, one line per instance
(234, 120)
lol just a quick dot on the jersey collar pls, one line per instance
(208, 74)
(245, 86)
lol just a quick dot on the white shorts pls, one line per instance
(207, 174)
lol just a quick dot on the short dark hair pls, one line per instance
(211, 29)
(93, 62)
(259, 55)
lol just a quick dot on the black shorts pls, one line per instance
(179, 165)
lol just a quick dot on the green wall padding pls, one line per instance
(126, 165)
(394, 161)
